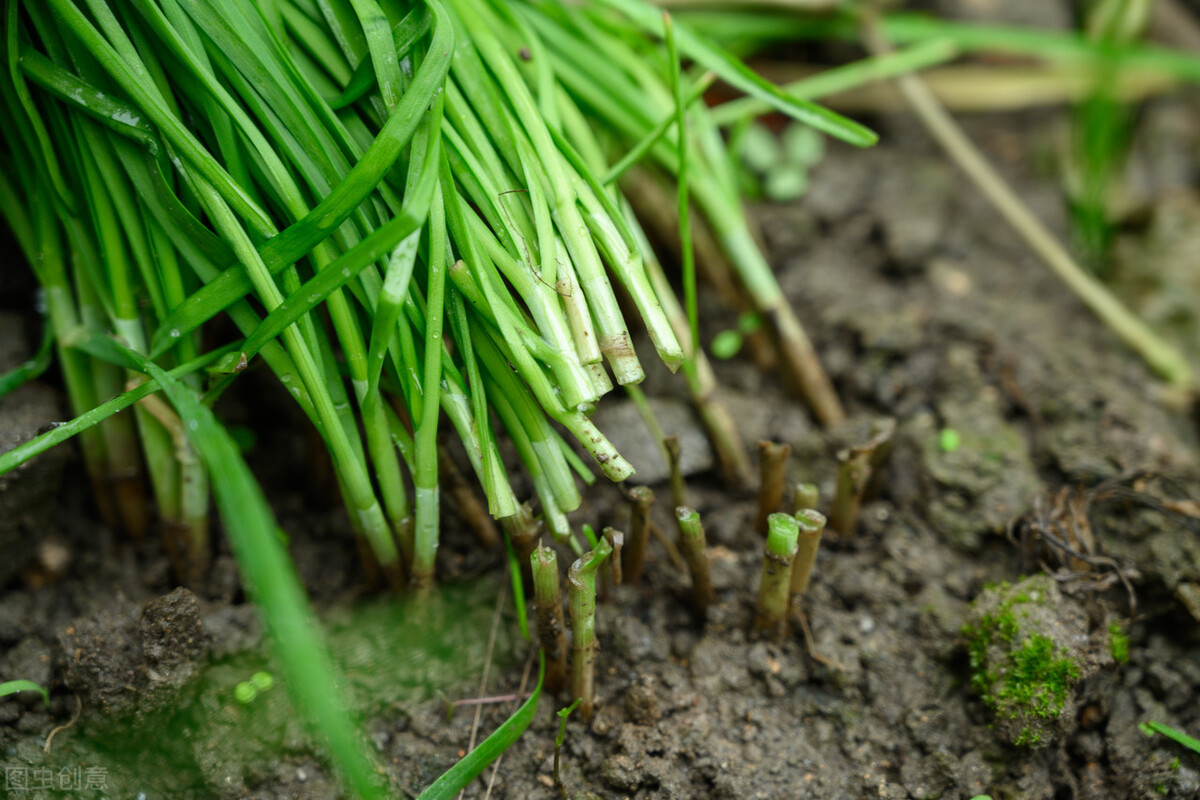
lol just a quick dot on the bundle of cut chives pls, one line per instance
(432, 178)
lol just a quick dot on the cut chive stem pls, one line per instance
(856, 468)
(811, 523)
(694, 548)
(774, 589)
(772, 474)
(641, 501)
(581, 600)
(552, 630)
(616, 540)
(675, 467)
(805, 496)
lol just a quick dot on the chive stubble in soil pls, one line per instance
(805, 496)
(772, 473)
(552, 634)
(774, 589)
(581, 599)
(695, 553)
(811, 524)
(633, 555)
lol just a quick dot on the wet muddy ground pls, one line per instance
(925, 309)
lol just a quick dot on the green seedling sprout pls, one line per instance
(772, 474)
(727, 343)
(263, 681)
(633, 555)
(12, 687)
(552, 631)
(245, 692)
(805, 496)
(770, 615)
(581, 600)
(1118, 642)
(857, 466)
(694, 548)
(811, 523)
(563, 714)
(774, 169)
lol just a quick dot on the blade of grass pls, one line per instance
(681, 182)
(270, 578)
(473, 763)
(300, 237)
(920, 55)
(31, 369)
(1174, 735)
(12, 687)
(738, 75)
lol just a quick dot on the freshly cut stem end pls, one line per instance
(804, 497)
(634, 554)
(812, 524)
(772, 471)
(552, 629)
(693, 546)
(581, 600)
(774, 590)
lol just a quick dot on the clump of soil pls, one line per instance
(1030, 647)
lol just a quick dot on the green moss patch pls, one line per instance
(1022, 674)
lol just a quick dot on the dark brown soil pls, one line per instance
(924, 308)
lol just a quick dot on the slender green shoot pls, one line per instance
(559, 740)
(13, 687)
(29, 370)
(683, 198)
(1151, 728)
(458, 777)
